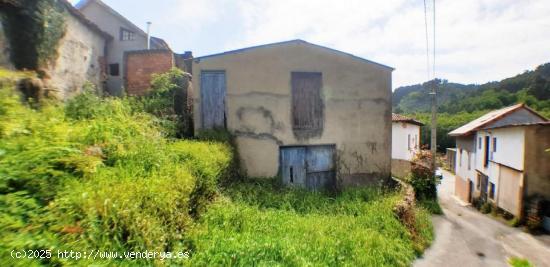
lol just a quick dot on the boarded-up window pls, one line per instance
(307, 104)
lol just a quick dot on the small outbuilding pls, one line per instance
(405, 143)
(315, 116)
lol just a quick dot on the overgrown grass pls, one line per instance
(260, 223)
(102, 174)
(431, 205)
(98, 174)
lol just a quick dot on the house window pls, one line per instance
(409, 141)
(127, 35)
(479, 143)
(460, 158)
(478, 182)
(491, 190)
(307, 104)
(486, 152)
(494, 144)
(416, 141)
(114, 69)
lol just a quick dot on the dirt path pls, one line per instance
(466, 237)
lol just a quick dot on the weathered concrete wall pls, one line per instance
(141, 65)
(116, 48)
(510, 190)
(81, 53)
(537, 161)
(400, 168)
(356, 96)
(405, 140)
(465, 158)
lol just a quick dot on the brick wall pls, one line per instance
(140, 65)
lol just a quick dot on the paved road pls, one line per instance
(465, 237)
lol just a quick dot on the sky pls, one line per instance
(476, 40)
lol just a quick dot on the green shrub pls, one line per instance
(168, 101)
(519, 262)
(422, 177)
(99, 174)
(486, 208)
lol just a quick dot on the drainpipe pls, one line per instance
(148, 35)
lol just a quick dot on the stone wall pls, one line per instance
(400, 168)
(81, 53)
(141, 65)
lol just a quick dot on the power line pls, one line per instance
(433, 59)
(427, 40)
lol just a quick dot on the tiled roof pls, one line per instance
(545, 123)
(492, 116)
(400, 118)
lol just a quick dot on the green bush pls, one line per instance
(98, 174)
(168, 101)
(486, 208)
(519, 262)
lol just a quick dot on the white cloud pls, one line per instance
(477, 40)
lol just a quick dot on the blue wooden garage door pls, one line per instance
(213, 99)
(312, 167)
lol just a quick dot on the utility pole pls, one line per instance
(433, 143)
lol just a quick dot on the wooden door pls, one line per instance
(312, 167)
(293, 166)
(320, 167)
(484, 182)
(213, 92)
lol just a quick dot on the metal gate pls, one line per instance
(312, 167)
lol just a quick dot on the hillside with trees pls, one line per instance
(460, 103)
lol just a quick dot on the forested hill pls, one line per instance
(530, 87)
(458, 103)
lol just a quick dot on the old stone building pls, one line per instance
(81, 56)
(314, 115)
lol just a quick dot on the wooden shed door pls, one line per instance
(213, 99)
(293, 166)
(312, 167)
(484, 182)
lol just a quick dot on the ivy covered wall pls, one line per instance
(33, 29)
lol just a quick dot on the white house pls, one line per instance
(405, 143)
(405, 137)
(501, 158)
